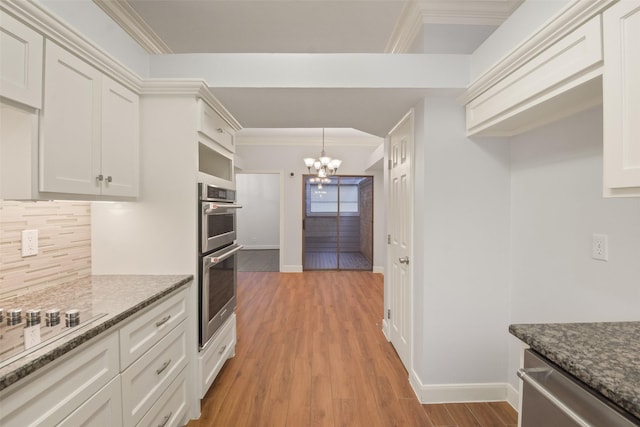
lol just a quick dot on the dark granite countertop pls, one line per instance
(117, 297)
(604, 356)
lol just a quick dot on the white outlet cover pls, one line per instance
(600, 247)
(29, 242)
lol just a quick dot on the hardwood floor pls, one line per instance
(311, 352)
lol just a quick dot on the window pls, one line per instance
(323, 199)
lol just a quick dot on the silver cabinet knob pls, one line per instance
(100, 178)
(109, 179)
(404, 260)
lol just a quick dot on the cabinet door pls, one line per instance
(120, 139)
(621, 96)
(70, 137)
(20, 62)
(102, 409)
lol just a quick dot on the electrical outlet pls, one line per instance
(29, 242)
(599, 247)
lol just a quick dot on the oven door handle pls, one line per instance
(214, 206)
(211, 260)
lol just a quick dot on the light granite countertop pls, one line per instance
(117, 297)
(604, 356)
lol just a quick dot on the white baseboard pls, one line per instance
(291, 269)
(457, 393)
(259, 247)
(385, 329)
(513, 397)
(378, 269)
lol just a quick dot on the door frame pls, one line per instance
(304, 216)
(388, 302)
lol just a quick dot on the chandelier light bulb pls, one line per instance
(325, 166)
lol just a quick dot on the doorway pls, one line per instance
(338, 223)
(259, 221)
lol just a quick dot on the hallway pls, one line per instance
(311, 352)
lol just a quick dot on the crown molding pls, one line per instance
(188, 87)
(566, 21)
(131, 22)
(406, 30)
(40, 19)
(417, 13)
(308, 141)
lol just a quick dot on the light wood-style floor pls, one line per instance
(311, 352)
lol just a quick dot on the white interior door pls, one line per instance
(400, 234)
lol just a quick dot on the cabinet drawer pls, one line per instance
(216, 353)
(62, 387)
(103, 408)
(145, 331)
(558, 69)
(171, 408)
(214, 127)
(147, 378)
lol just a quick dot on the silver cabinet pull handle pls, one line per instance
(162, 321)
(164, 366)
(219, 130)
(524, 376)
(165, 420)
(404, 260)
(224, 347)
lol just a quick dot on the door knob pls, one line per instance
(404, 260)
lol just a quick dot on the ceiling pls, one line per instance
(315, 26)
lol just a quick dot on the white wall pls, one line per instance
(556, 205)
(259, 218)
(462, 283)
(287, 159)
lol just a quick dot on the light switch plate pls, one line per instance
(29, 242)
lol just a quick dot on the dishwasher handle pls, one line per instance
(525, 376)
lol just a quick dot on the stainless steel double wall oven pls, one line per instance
(217, 250)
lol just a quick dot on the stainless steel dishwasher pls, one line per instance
(552, 398)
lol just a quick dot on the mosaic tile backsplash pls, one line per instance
(64, 240)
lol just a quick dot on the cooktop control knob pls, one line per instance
(14, 316)
(72, 318)
(33, 317)
(52, 317)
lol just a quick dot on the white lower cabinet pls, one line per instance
(171, 407)
(62, 388)
(147, 378)
(211, 359)
(102, 409)
(91, 386)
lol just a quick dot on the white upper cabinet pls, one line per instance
(120, 139)
(20, 62)
(562, 79)
(215, 127)
(621, 99)
(70, 136)
(89, 131)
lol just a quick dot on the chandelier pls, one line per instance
(324, 166)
